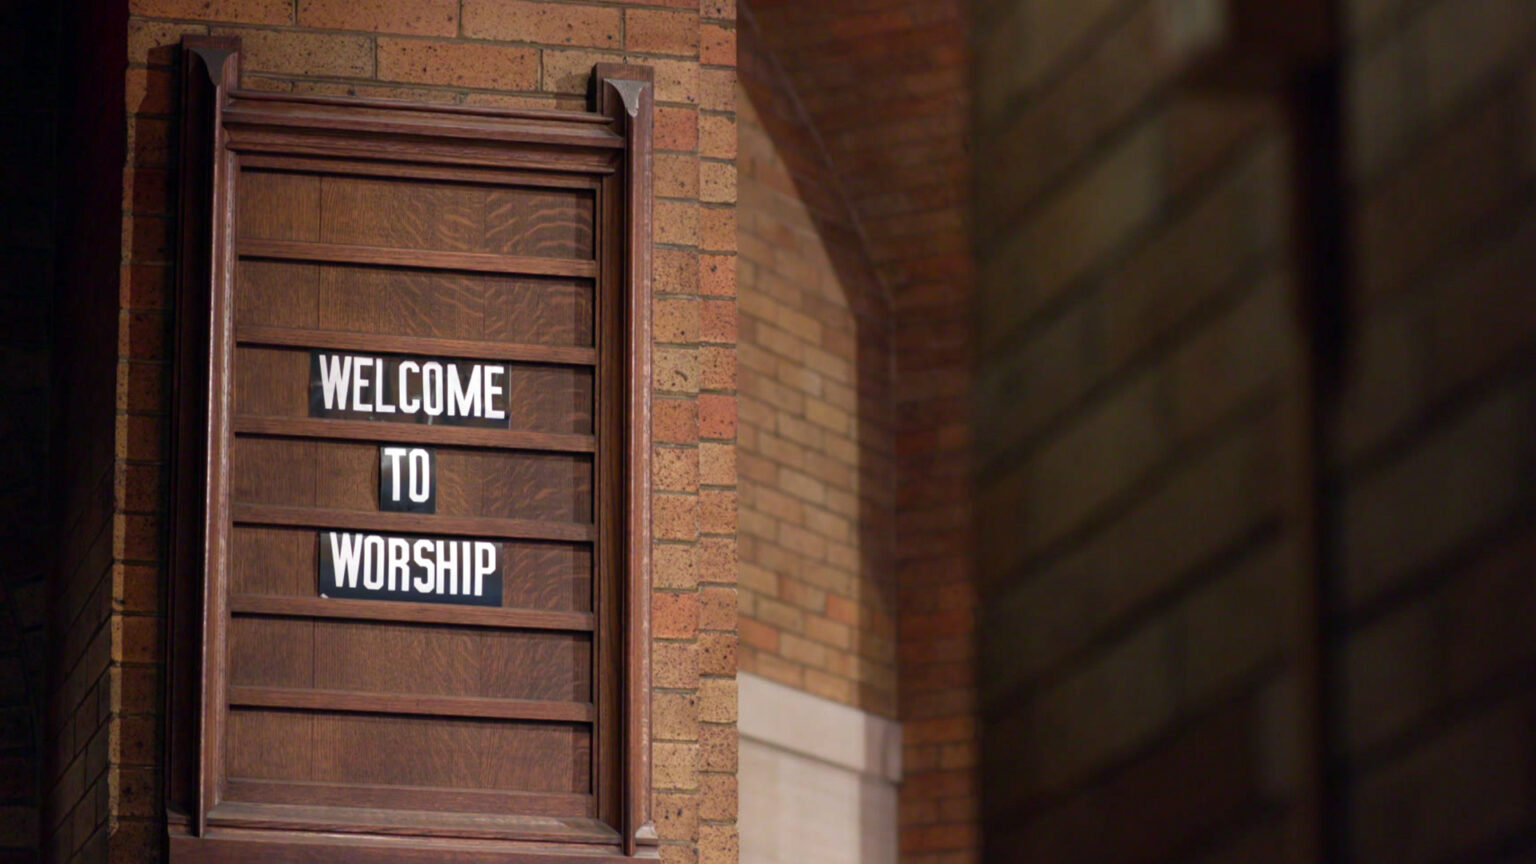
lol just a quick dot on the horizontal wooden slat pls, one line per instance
(419, 345)
(414, 433)
(428, 810)
(393, 810)
(401, 170)
(421, 613)
(410, 523)
(389, 703)
(423, 259)
(360, 104)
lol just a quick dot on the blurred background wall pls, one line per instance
(1257, 585)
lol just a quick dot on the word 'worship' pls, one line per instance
(412, 569)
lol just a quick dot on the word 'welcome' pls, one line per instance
(408, 389)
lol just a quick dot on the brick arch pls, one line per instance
(878, 93)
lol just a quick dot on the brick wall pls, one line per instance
(1436, 446)
(1143, 683)
(878, 117)
(816, 444)
(474, 52)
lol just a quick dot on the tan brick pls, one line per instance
(654, 31)
(829, 686)
(546, 23)
(717, 182)
(717, 45)
(675, 765)
(675, 615)
(717, 233)
(677, 816)
(717, 416)
(675, 469)
(717, 464)
(717, 747)
(675, 319)
(677, 81)
(675, 370)
(299, 53)
(458, 64)
(718, 560)
(233, 11)
(718, 653)
(717, 273)
(717, 90)
(676, 421)
(717, 511)
(677, 128)
(413, 17)
(675, 517)
(674, 716)
(672, 566)
(569, 72)
(717, 608)
(158, 43)
(718, 844)
(675, 665)
(676, 175)
(717, 700)
(677, 222)
(717, 797)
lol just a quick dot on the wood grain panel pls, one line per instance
(552, 487)
(551, 666)
(548, 222)
(402, 213)
(539, 311)
(404, 302)
(534, 311)
(271, 382)
(274, 382)
(551, 399)
(450, 661)
(409, 751)
(466, 754)
(277, 294)
(270, 560)
(274, 471)
(272, 652)
(553, 576)
(271, 745)
(278, 206)
(547, 576)
(441, 216)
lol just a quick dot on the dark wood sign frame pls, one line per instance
(225, 130)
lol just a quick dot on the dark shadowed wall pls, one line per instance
(1153, 684)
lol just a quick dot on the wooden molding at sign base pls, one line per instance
(598, 809)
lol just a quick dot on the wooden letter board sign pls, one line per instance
(410, 569)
